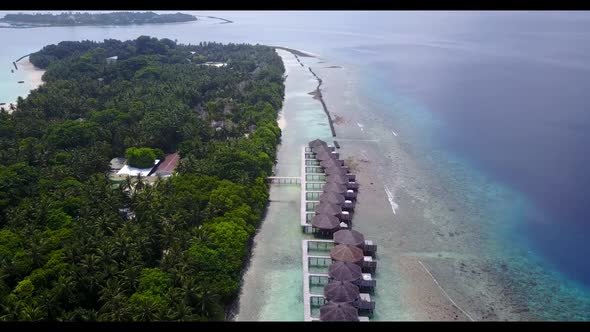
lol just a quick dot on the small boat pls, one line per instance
(21, 81)
(12, 70)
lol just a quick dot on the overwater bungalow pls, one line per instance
(339, 199)
(343, 179)
(324, 155)
(349, 194)
(335, 187)
(331, 162)
(347, 292)
(334, 210)
(328, 208)
(352, 254)
(341, 291)
(319, 148)
(335, 169)
(357, 239)
(322, 149)
(338, 312)
(325, 224)
(317, 142)
(345, 271)
(346, 253)
(332, 198)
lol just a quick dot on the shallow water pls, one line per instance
(487, 181)
(273, 284)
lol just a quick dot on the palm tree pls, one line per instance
(146, 311)
(50, 302)
(32, 312)
(139, 184)
(114, 301)
(65, 290)
(207, 301)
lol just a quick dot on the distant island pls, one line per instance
(116, 18)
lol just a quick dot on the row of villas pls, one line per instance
(339, 264)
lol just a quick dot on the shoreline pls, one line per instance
(34, 74)
(317, 93)
(271, 288)
(293, 51)
(34, 79)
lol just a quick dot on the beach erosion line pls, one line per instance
(317, 93)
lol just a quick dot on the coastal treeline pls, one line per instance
(75, 247)
(115, 18)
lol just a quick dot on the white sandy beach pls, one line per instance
(282, 123)
(34, 74)
(33, 78)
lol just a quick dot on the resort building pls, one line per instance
(134, 171)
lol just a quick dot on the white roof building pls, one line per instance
(134, 171)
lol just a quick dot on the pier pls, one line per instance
(284, 179)
(311, 299)
(322, 275)
(19, 59)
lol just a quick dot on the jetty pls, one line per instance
(19, 59)
(338, 273)
(339, 265)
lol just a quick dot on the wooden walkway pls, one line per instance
(312, 180)
(284, 179)
(320, 278)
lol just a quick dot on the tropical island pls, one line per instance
(74, 19)
(78, 245)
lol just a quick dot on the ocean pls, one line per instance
(493, 105)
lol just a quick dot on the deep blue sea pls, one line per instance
(509, 91)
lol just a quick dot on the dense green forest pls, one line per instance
(115, 18)
(67, 251)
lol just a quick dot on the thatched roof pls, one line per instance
(325, 222)
(331, 170)
(345, 271)
(338, 312)
(324, 155)
(317, 142)
(346, 253)
(341, 291)
(330, 162)
(337, 178)
(332, 198)
(320, 148)
(335, 187)
(328, 208)
(349, 237)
